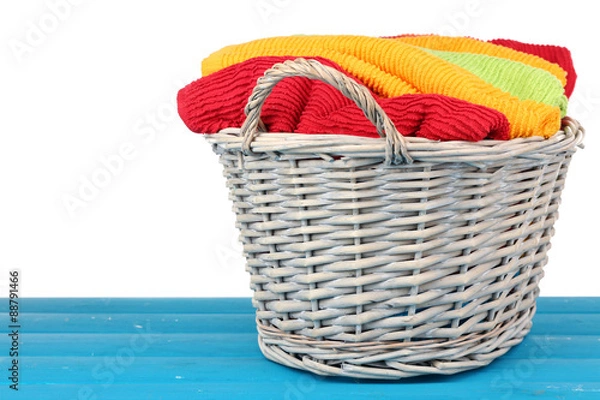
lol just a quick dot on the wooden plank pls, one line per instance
(168, 323)
(240, 345)
(226, 305)
(566, 324)
(306, 388)
(245, 345)
(125, 366)
(220, 305)
(135, 323)
(255, 378)
(566, 305)
(554, 305)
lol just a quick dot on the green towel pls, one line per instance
(518, 79)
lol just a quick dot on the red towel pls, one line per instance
(300, 105)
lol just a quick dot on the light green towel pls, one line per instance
(520, 80)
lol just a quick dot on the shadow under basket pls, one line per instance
(393, 257)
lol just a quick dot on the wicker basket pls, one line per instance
(393, 257)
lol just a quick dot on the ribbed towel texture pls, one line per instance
(476, 46)
(520, 80)
(558, 55)
(301, 105)
(554, 59)
(431, 86)
(393, 67)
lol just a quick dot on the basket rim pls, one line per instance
(331, 146)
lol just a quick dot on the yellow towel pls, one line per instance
(391, 67)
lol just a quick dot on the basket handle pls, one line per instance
(395, 147)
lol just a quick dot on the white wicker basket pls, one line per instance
(393, 257)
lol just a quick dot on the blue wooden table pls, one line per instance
(93, 349)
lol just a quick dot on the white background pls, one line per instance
(82, 81)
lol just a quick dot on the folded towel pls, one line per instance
(392, 68)
(300, 105)
(471, 45)
(521, 80)
(555, 54)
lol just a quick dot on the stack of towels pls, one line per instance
(435, 87)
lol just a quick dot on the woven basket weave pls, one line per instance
(393, 257)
